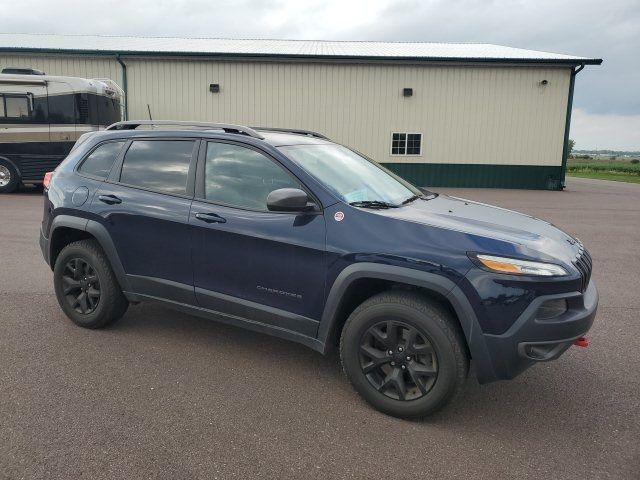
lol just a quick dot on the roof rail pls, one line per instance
(308, 133)
(226, 127)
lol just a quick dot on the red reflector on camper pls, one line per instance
(47, 179)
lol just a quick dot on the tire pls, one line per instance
(412, 378)
(82, 268)
(9, 177)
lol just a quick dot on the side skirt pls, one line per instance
(236, 321)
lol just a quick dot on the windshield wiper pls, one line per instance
(372, 204)
(411, 199)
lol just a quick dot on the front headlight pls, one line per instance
(519, 267)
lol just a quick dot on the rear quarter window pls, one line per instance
(99, 162)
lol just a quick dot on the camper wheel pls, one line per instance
(9, 178)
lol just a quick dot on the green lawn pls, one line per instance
(617, 177)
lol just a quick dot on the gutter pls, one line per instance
(567, 125)
(124, 86)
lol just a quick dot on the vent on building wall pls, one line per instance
(407, 92)
(214, 87)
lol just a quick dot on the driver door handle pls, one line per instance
(109, 199)
(210, 218)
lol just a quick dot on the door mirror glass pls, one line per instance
(288, 200)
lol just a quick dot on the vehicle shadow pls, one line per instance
(552, 396)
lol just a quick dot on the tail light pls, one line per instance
(47, 179)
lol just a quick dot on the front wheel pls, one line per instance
(404, 354)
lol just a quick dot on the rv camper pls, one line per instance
(41, 117)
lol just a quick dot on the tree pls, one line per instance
(572, 143)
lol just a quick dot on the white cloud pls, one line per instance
(605, 131)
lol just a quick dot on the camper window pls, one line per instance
(15, 106)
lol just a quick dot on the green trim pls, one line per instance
(567, 124)
(473, 175)
(124, 86)
(299, 57)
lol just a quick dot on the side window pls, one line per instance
(161, 165)
(15, 106)
(100, 161)
(242, 177)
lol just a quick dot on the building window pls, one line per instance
(406, 144)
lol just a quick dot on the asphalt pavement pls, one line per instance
(165, 395)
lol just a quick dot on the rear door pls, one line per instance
(145, 205)
(249, 262)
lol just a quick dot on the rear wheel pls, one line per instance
(404, 354)
(86, 287)
(9, 178)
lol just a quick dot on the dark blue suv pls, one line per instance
(287, 233)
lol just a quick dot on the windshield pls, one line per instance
(353, 178)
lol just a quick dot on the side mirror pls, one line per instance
(288, 200)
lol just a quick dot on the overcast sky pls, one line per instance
(607, 97)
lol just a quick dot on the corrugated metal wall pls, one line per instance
(485, 115)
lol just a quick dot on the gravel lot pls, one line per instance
(165, 395)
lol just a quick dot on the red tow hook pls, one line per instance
(582, 342)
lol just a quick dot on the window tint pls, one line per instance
(242, 177)
(160, 165)
(99, 162)
(62, 109)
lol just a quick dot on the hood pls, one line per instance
(488, 221)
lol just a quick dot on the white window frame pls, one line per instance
(405, 144)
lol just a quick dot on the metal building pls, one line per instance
(438, 114)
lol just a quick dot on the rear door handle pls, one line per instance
(109, 199)
(210, 218)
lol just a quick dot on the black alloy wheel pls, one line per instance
(398, 360)
(81, 286)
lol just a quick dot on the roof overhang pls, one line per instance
(571, 61)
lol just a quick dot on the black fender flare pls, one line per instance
(100, 233)
(430, 281)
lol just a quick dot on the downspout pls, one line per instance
(567, 125)
(124, 86)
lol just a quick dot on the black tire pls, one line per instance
(418, 376)
(8, 172)
(82, 268)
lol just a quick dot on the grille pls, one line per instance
(83, 110)
(584, 264)
(34, 168)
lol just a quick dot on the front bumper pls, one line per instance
(530, 340)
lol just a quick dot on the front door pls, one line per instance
(264, 266)
(144, 205)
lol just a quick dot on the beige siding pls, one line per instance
(467, 114)
(85, 67)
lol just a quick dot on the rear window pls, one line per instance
(161, 165)
(100, 161)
